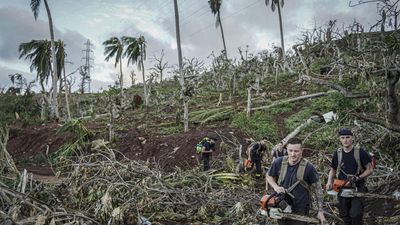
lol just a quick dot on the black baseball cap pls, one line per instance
(345, 131)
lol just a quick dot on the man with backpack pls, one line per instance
(255, 153)
(352, 165)
(208, 146)
(297, 179)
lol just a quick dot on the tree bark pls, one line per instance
(66, 96)
(248, 109)
(222, 34)
(121, 78)
(54, 105)
(392, 100)
(181, 77)
(146, 102)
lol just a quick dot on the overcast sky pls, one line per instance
(245, 22)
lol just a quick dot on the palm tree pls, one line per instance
(114, 48)
(215, 6)
(38, 52)
(136, 53)
(35, 4)
(276, 4)
(181, 78)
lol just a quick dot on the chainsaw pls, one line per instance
(346, 189)
(275, 206)
(277, 213)
(352, 192)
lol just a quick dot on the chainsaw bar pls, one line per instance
(351, 194)
(278, 214)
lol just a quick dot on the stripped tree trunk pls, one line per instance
(66, 96)
(181, 77)
(6, 160)
(248, 101)
(293, 100)
(296, 131)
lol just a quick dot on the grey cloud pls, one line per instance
(18, 26)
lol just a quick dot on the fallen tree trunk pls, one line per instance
(280, 102)
(392, 127)
(296, 131)
(342, 90)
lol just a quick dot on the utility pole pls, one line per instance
(86, 78)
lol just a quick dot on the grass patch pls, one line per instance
(260, 124)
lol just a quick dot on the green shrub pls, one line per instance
(260, 124)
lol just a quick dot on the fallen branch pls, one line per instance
(280, 102)
(342, 90)
(392, 127)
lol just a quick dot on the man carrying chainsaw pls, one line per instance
(350, 165)
(296, 178)
(255, 153)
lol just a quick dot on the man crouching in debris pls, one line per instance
(255, 153)
(297, 178)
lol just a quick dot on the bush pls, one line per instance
(259, 125)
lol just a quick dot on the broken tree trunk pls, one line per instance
(6, 160)
(319, 94)
(392, 127)
(248, 109)
(344, 91)
(296, 131)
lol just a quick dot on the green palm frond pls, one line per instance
(135, 49)
(39, 53)
(113, 48)
(76, 127)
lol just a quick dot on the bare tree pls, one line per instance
(159, 66)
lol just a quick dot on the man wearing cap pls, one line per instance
(350, 163)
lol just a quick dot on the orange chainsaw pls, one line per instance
(274, 206)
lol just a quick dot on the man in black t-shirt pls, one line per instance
(255, 153)
(206, 152)
(284, 174)
(355, 165)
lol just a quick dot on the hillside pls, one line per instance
(111, 159)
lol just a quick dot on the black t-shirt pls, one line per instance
(257, 150)
(349, 164)
(301, 202)
(208, 146)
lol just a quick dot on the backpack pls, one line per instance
(199, 146)
(357, 156)
(299, 175)
(261, 148)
